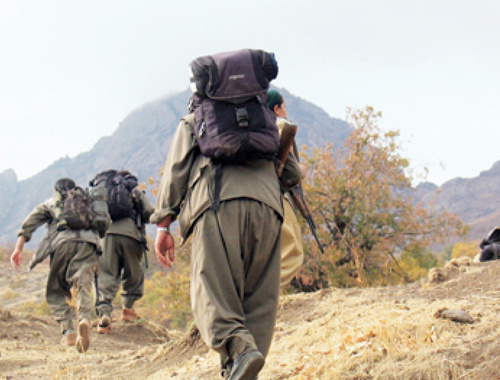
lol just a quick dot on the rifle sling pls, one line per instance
(217, 187)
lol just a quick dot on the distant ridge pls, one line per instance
(475, 200)
(139, 144)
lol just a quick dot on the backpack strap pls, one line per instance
(190, 119)
(217, 187)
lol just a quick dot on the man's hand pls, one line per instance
(164, 248)
(16, 258)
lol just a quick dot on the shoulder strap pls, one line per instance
(189, 119)
(217, 187)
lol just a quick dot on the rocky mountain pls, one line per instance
(141, 141)
(140, 145)
(474, 200)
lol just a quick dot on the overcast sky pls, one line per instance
(70, 70)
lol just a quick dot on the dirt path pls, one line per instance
(377, 333)
(30, 348)
(30, 345)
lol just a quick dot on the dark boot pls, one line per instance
(247, 366)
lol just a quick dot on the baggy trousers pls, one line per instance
(235, 276)
(73, 264)
(120, 264)
(292, 252)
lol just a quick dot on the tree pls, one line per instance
(361, 199)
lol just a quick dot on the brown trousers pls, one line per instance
(235, 276)
(292, 252)
(73, 265)
(120, 264)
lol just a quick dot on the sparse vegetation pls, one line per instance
(379, 333)
(362, 201)
(375, 235)
(166, 299)
(10, 294)
(465, 248)
(18, 283)
(35, 308)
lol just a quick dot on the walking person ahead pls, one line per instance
(124, 246)
(292, 251)
(73, 259)
(234, 213)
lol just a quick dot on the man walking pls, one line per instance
(73, 262)
(124, 246)
(292, 251)
(234, 213)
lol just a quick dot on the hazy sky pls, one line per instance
(70, 70)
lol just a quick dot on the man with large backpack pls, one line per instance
(124, 245)
(74, 225)
(220, 179)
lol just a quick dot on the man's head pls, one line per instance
(276, 103)
(64, 184)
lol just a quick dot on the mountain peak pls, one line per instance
(140, 144)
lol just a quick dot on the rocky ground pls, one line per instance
(377, 333)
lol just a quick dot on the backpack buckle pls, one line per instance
(242, 117)
(202, 129)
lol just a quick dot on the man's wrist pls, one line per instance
(164, 229)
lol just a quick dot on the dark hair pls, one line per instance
(64, 184)
(123, 173)
(274, 98)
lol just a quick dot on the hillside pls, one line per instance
(139, 144)
(376, 333)
(474, 200)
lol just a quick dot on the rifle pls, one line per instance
(286, 143)
(297, 195)
(96, 284)
(142, 228)
(296, 192)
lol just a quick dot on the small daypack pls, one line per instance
(80, 209)
(232, 121)
(119, 186)
(73, 209)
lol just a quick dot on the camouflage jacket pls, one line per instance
(44, 214)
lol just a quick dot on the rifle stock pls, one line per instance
(144, 245)
(142, 229)
(286, 142)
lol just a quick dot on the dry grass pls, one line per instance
(392, 333)
(365, 337)
(376, 333)
(381, 333)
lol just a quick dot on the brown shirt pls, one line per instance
(128, 226)
(187, 185)
(44, 214)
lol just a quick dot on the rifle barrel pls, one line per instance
(297, 196)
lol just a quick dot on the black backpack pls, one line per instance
(119, 185)
(232, 121)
